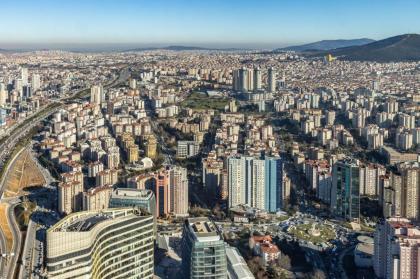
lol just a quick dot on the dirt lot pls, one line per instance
(23, 173)
(4, 225)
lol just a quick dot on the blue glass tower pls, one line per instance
(273, 184)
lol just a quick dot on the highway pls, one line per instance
(32, 255)
(6, 255)
(16, 133)
(17, 238)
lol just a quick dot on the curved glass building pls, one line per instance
(113, 243)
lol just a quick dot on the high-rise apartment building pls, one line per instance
(212, 173)
(70, 196)
(203, 250)
(397, 249)
(345, 192)
(70, 192)
(178, 186)
(187, 148)
(97, 198)
(170, 186)
(369, 179)
(151, 147)
(3, 94)
(97, 94)
(24, 75)
(35, 82)
(271, 80)
(257, 79)
(255, 182)
(113, 243)
(400, 191)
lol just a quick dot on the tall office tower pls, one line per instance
(24, 75)
(36, 82)
(236, 80)
(250, 80)
(257, 79)
(271, 80)
(70, 196)
(97, 94)
(243, 80)
(133, 83)
(3, 94)
(26, 91)
(273, 184)
(203, 250)
(345, 192)
(128, 197)
(162, 193)
(178, 185)
(112, 243)
(397, 249)
(18, 86)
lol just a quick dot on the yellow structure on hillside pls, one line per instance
(329, 58)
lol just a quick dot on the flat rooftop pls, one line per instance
(86, 224)
(130, 193)
(203, 229)
(86, 220)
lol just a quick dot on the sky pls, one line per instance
(211, 23)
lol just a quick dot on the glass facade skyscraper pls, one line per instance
(112, 243)
(203, 250)
(345, 193)
(273, 184)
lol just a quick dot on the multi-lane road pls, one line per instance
(8, 259)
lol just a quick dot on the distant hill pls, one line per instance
(183, 48)
(399, 48)
(326, 45)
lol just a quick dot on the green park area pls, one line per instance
(315, 234)
(201, 101)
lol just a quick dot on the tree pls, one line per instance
(256, 267)
(317, 274)
(284, 262)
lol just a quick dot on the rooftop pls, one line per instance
(130, 193)
(86, 220)
(203, 229)
(238, 264)
(87, 223)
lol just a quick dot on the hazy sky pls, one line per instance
(227, 23)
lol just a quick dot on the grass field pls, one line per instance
(23, 213)
(4, 225)
(23, 173)
(200, 101)
(303, 232)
